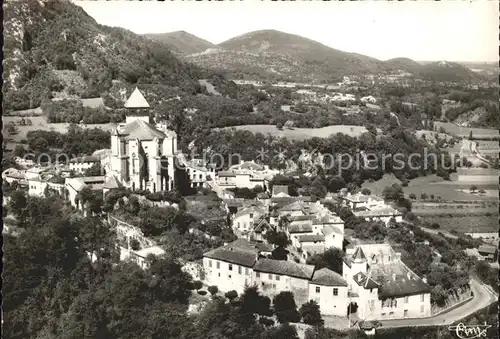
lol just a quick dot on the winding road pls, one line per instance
(471, 146)
(483, 296)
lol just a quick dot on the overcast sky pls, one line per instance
(450, 30)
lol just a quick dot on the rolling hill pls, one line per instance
(53, 48)
(285, 56)
(181, 42)
(282, 56)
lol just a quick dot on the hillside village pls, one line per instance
(277, 234)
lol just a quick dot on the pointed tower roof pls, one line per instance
(136, 100)
(359, 256)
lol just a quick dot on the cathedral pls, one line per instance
(142, 154)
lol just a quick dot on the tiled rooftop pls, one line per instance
(283, 267)
(327, 277)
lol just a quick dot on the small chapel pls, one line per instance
(142, 154)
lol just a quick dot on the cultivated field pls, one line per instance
(432, 184)
(465, 131)
(39, 123)
(302, 133)
(487, 144)
(466, 224)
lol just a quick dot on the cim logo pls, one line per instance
(470, 331)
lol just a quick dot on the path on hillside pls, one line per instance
(428, 230)
(472, 147)
(436, 232)
(483, 296)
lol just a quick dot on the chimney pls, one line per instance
(408, 275)
(424, 279)
(394, 276)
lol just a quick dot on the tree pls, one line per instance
(413, 196)
(289, 124)
(135, 245)
(12, 129)
(252, 302)
(197, 284)
(473, 189)
(279, 125)
(19, 151)
(279, 239)
(366, 191)
(435, 226)
(231, 295)
(482, 191)
(423, 196)
(332, 259)
(311, 314)
(94, 171)
(285, 307)
(393, 193)
(283, 331)
(213, 290)
(18, 203)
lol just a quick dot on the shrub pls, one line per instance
(213, 289)
(134, 244)
(435, 226)
(311, 314)
(197, 284)
(266, 321)
(231, 295)
(202, 292)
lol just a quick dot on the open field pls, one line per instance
(39, 123)
(432, 184)
(488, 144)
(464, 131)
(302, 133)
(466, 224)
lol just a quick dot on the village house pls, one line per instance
(370, 99)
(247, 174)
(230, 267)
(75, 185)
(24, 162)
(241, 263)
(141, 257)
(198, 172)
(381, 286)
(360, 201)
(259, 230)
(488, 237)
(280, 191)
(380, 214)
(40, 187)
(81, 164)
(11, 174)
(330, 291)
(245, 219)
(488, 252)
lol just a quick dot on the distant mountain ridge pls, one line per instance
(181, 42)
(274, 54)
